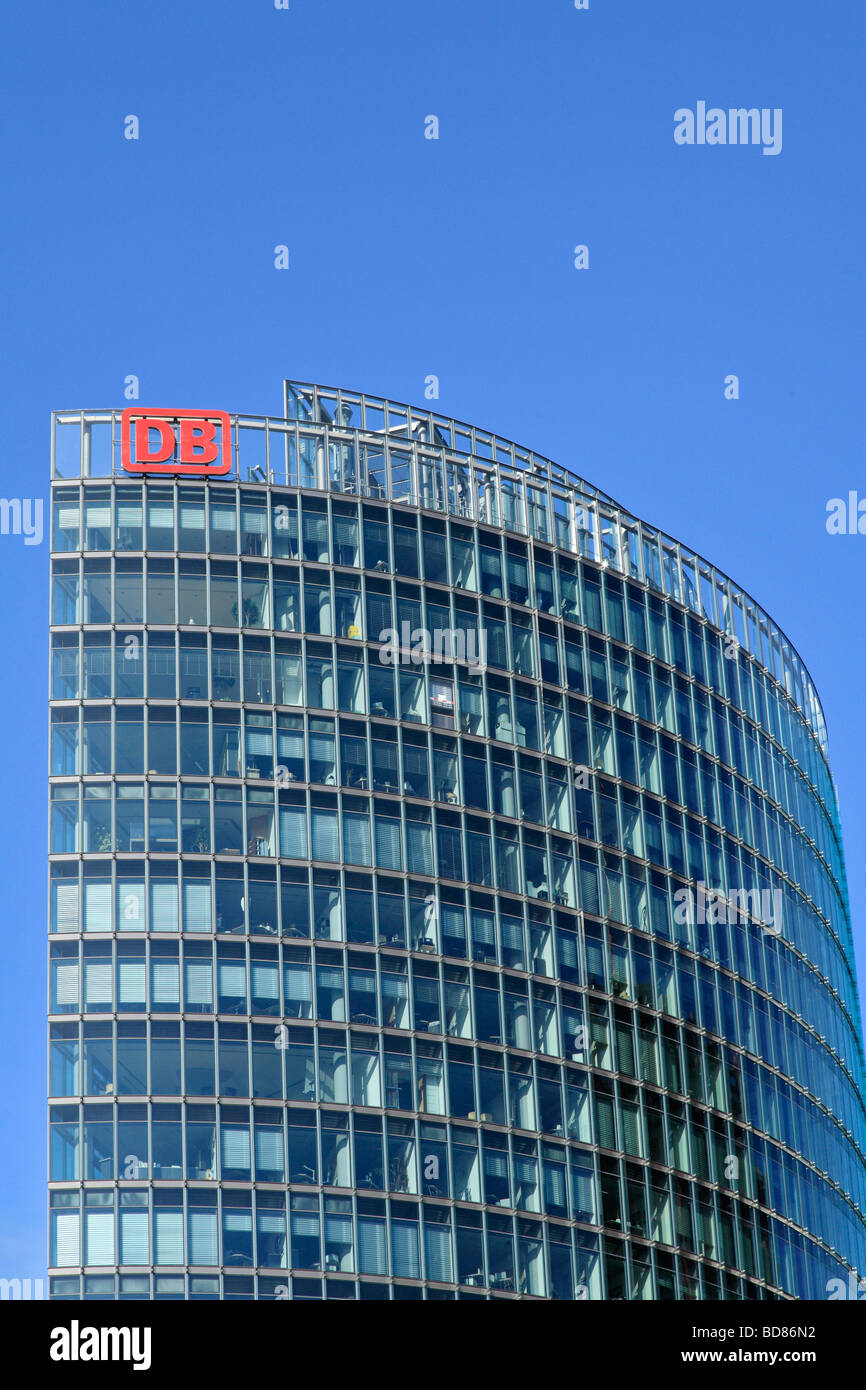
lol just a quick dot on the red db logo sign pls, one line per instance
(176, 441)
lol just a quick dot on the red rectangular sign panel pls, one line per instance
(176, 441)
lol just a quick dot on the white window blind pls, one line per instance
(325, 842)
(199, 984)
(304, 1225)
(330, 977)
(372, 1249)
(482, 928)
(99, 1237)
(235, 1147)
(265, 982)
(66, 983)
(297, 982)
(269, 1150)
(97, 907)
(168, 1237)
(554, 1183)
(453, 923)
(66, 906)
(66, 1239)
(134, 1238)
(163, 906)
(512, 933)
(130, 907)
(419, 847)
(130, 982)
(272, 1223)
(362, 981)
(290, 744)
(388, 847)
(203, 1238)
(232, 980)
(437, 1251)
(196, 906)
(293, 832)
(164, 983)
(356, 838)
(338, 1230)
(97, 982)
(404, 1250)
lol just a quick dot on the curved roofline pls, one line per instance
(590, 489)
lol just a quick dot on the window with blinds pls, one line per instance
(196, 906)
(134, 1238)
(203, 1238)
(97, 906)
(160, 514)
(65, 984)
(405, 1250)
(293, 832)
(191, 516)
(326, 845)
(554, 1185)
(605, 1122)
(265, 983)
(297, 983)
(431, 1085)
(356, 838)
(482, 929)
(338, 1233)
(97, 515)
(131, 912)
(437, 1254)
(99, 1238)
(198, 985)
(290, 744)
(237, 1236)
(235, 1148)
(67, 517)
(232, 980)
(419, 847)
(65, 907)
(453, 922)
(168, 1237)
(65, 1239)
(372, 1246)
(253, 520)
(97, 984)
(272, 1239)
(270, 1160)
(131, 985)
(164, 983)
(163, 906)
(389, 850)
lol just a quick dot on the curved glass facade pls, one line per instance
(447, 891)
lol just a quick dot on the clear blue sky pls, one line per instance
(411, 257)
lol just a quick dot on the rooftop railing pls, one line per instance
(337, 441)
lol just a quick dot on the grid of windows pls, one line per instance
(553, 904)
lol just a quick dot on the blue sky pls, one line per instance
(412, 257)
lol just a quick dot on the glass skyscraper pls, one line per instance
(447, 895)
